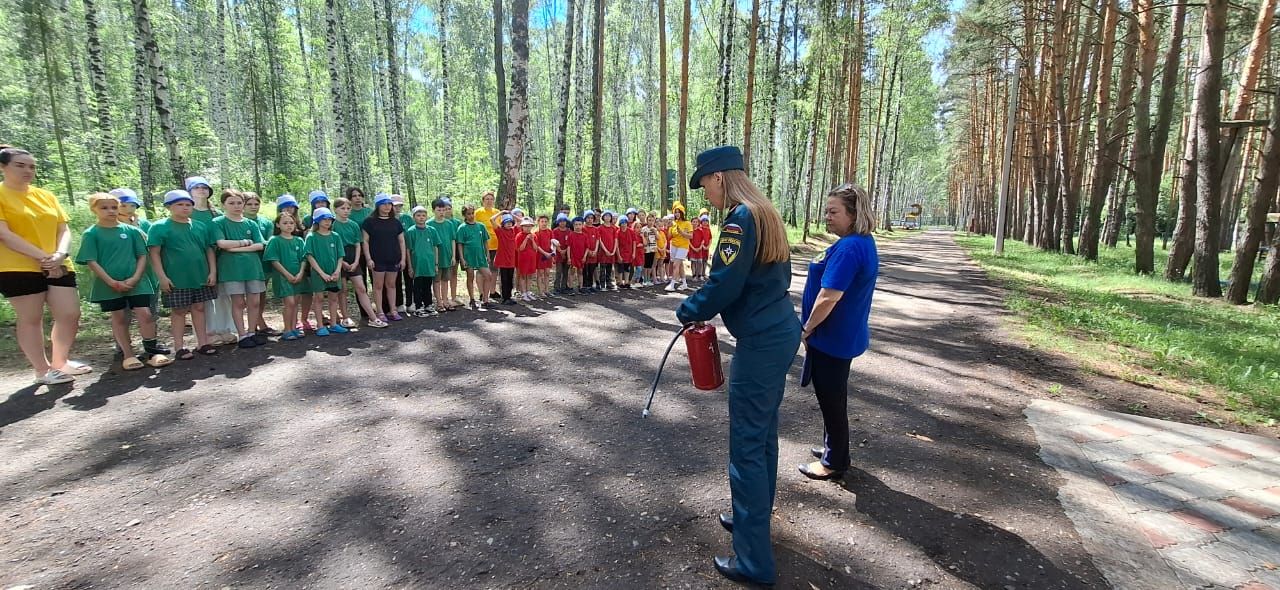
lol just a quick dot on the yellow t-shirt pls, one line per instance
(677, 240)
(662, 243)
(483, 216)
(34, 216)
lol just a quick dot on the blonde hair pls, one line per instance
(96, 198)
(771, 235)
(858, 203)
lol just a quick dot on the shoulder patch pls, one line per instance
(728, 250)
(731, 228)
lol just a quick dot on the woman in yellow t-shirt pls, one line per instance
(484, 214)
(35, 269)
(681, 231)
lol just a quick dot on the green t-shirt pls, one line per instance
(116, 250)
(205, 216)
(349, 230)
(150, 274)
(361, 214)
(474, 238)
(448, 233)
(327, 251)
(238, 266)
(406, 221)
(424, 245)
(182, 251)
(291, 253)
(265, 226)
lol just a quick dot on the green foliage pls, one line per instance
(1153, 323)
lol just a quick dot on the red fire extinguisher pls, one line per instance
(704, 359)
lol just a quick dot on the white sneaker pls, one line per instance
(401, 309)
(684, 285)
(54, 377)
(671, 286)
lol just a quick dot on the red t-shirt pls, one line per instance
(562, 236)
(593, 252)
(527, 255)
(626, 244)
(506, 256)
(543, 237)
(608, 243)
(579, 243)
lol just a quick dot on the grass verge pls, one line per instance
(1142, 329)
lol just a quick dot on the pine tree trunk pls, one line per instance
(729, 14)
(813, 153)
(855, 99)
(1241, 108)
(597, 118)
(1150, 140)
(1264, 194)
(500, 76)
(664, 198)
(336, 92)
(513, 157)
(684, 104)
(101, 92)
(752, 35)
(159, 87)
(1208, 90)
(1109, 137)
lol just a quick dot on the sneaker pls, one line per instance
(54, 377)
(260, 338)
(508, 301)
(247, 342)
(670, 287)
(479, 307)
(684, 285)
(395, 317)
(323, 331)
(401, 309)
(269, 331)
(338, 329)
(376, 323)
(347, 323)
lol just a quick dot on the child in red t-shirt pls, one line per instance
(697, 248)
(526, 258)
(505, 260)
(561, 236)
(546, 257)
(590, 226)
(608, 234)
(579, 243)
(626, 249)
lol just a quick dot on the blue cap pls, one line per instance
(716, 159)
(609, 213)
(508, 218)
(623, 220)
(705, 218)
(515, 210)
(286, 200)
(177, 195)
(195, 181)
(321, 214)
(562, 217)
(579, 220)
(631, 210)
(441, 202)
(588, 213)
(126, 195)
(317, 195)
(381, 198)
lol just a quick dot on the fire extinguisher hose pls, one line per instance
(663, 363)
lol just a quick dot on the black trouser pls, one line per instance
(405, 289)
(422, 290)
(831, 385)
(589, 275)
(508, 281)
(606, 274)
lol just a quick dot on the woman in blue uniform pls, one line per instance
(750, 275)
(835, 309)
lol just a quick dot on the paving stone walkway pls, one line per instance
(1164, 505)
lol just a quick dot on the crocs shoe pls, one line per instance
(323, 331)
(338, 329)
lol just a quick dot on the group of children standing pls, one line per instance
(215, 267)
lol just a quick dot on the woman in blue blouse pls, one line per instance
(836, 305)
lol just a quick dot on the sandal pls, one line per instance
(207, 350)
(185, 354)
(131, 363)
(159, 360)
(76, 368)
(54, 377)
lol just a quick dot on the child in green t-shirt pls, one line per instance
(117, 255)
(447, 273)
(473, 244)
(324, 255)
(182, 258)
(287, 255)
(424, 254)
(252, 205)
(240, 275)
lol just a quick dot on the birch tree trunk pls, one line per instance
(682, 181)
(597, 118)
(513, 157)
(752, 35)
(664, 198)
(403, 149)
(336, 91)
(500, 75)
(101, 93)
(775, 93)
(566, 77)
(318, 144)
(159, 87)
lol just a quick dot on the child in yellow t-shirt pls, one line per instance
(660, 255)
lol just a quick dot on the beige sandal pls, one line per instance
(131, 364)
(159, 360)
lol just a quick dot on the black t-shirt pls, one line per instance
(384, 247)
